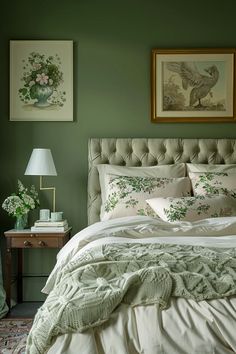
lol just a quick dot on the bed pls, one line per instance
(123, 285)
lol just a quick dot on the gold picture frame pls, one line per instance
(193, 85)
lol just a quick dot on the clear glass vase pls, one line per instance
(21, 222)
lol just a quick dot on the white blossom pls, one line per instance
(22, 202)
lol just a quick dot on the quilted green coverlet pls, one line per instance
(89, 289)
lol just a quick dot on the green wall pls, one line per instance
(112, 47)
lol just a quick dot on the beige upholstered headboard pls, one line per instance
(150, 152)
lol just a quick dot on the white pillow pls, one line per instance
(168, 171)
(126, 195)
(193, 208)
(204, 183)
(200, 167)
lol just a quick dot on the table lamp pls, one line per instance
(41, 164)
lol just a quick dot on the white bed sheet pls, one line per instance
(206, 327)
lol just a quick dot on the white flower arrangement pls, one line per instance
(22, 202)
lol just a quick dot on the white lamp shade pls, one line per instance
(41, 163)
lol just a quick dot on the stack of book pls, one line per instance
(50, 226)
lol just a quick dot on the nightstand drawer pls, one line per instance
(34, 242)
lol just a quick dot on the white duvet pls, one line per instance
(186, 327)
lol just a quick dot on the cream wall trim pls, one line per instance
(150, 152)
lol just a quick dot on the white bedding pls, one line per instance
(205, 327)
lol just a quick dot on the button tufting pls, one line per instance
(138, 152)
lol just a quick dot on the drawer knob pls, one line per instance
(42, 243)
(27, 243)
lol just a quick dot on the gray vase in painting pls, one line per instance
(41, 93)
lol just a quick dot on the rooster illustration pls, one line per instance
(190, 76)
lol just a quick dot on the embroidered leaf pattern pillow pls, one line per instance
(210, 183)
(126, 195)
(193, 208)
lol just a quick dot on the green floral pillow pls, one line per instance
(193, 208)
(126, 195)
(213, 183)
(176, 170)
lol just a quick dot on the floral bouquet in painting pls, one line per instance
(19, 204)
(42, 77)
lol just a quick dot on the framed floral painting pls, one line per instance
(41, 80)
(193, 85)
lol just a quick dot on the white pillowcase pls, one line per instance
(193, 208)
(200, 167)
(168, 171)
(126, 195)
(204, 183)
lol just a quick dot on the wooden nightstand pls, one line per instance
(28, 239)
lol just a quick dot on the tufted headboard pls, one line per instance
(150, 152)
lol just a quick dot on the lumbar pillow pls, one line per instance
(126, 195)
(193, 208)
(213, 183)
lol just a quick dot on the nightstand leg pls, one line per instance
(20, 278)
(8, 277)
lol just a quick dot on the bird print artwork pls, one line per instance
(190, 87)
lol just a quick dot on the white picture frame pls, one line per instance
(41, 80)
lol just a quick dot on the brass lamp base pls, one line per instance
(48, 188)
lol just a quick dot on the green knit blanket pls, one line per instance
(90, 288)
